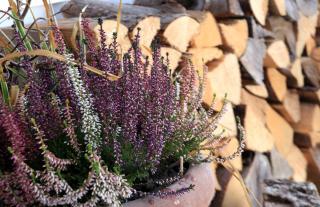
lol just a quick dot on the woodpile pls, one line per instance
(266, 56)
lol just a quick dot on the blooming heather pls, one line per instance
(100, 142)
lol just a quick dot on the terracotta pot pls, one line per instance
(201, 196)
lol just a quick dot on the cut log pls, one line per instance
(310, 94)
(129, 23)
(149, 26)
(252, 59)
(294, 74)
(222, 71)
(315, 55)
(230, 148)
(292, 10)
(306, 28)
(222, 8)
(310, 45)
(173, 55)
(277, 55)
(234, 194)
(278, 7)
(276, 84)
(209, 35)
(308, 7)
(290, 108)
(254, 176)
(100, 8)
(228, 121)
(237, 43)
(311, 71)
(312, 155)
(257, 90)
(280, 166)
(109, 26)
(285, 193)
(180, 31)
(199, 57)
(258, 136)
(280, 130)
(310, 118)
(256, 31)
(259, 9)
(298, 163)
(283, 30)
(306, 139)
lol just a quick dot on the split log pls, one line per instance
(209, 35)
(254, 176)
(292, 10)
(222, 8)
(260, 10)
(315, 55)
(312, 155)
(99, 8)
(223, 71)
(281, 131)
(283, 30)
(276, 84)
(308, 7)
(257, 90)
(280, 166)
(199, 57)
(311, 44)
(310, 118)
(109, 26)
(173, 55)
(254, 119)
(179, 30)
(237, 43)
(230, 148)
(290, 108)
(306, 139)
(252, 59)
(312, 73)
(224, 176)
(278, 7)
(149, 27)
(298, 163)
(277, 55)
(228, 123)
(289, 193)
(306, 27)
(129, 23)
(310, 94)
(256, 31)
(295, 78)
(234, 194)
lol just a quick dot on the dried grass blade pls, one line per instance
(49, 15)
(238, 176)
(56, 56)
(14, 94)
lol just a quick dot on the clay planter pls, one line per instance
(199, 175)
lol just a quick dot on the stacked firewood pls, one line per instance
(264, 54)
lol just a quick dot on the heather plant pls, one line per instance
(100, 126)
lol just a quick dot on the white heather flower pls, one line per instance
(91, 125)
